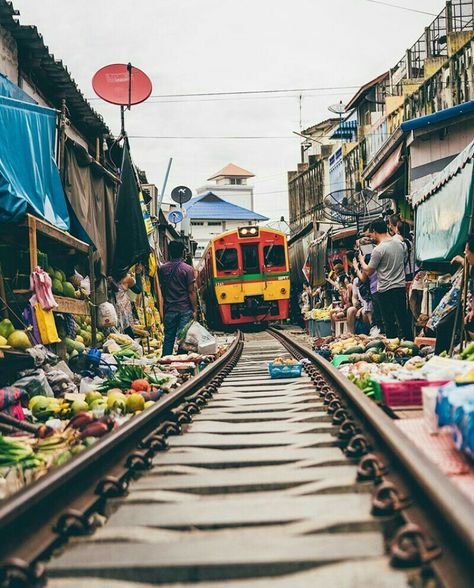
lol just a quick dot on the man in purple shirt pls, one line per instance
(179, 292)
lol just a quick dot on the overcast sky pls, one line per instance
(191, 46)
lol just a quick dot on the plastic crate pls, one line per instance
(285, 371)
(405, 393)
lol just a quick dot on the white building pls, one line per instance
(230, 183)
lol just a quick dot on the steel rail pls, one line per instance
(42, 514)
(438, 504)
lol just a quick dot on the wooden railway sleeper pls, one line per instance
(17, 573)
(386, 500)
(412, 548)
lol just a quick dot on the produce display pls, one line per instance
(62, 287)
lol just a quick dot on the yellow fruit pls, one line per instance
(135, 402)
(19, 340)
(3, 341)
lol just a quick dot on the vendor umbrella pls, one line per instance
(132, 244)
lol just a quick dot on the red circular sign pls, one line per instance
(122, 84)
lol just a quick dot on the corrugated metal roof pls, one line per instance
(359, 95)
(443, 177)
(210, 207)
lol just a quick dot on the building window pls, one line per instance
(213, 224)
(197, 224)
(236, 181)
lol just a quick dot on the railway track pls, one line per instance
(303, 481)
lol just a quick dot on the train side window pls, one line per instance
(250, 258)
(274, 256)
(227, 259)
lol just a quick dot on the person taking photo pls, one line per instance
(388, 260)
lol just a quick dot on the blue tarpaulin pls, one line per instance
(29, 177)
(11, 90)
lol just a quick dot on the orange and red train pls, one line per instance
(243, 277)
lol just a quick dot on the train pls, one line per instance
(243, 277)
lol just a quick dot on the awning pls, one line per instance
(11, 90)
(387, 169)
(345, 130)
(343, 234)
(300, 234)
(29, 177)
(442, 220)
(437, 117)
(443, 176)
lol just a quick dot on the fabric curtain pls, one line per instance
(132, 243)
(91, 195)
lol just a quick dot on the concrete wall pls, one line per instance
(203, 233)
(8, 56)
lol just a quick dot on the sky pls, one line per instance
(206, 46)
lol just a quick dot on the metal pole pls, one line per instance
(62, 140)
(162, 191)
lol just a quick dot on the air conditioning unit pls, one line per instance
(150, 194)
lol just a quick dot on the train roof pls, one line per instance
(231, 231)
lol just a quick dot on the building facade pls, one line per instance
(231, 184)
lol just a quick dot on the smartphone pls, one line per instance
(366, 249)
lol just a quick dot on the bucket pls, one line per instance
(322, 328)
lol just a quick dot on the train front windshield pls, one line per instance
(250, 260)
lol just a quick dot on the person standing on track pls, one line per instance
(388, 260)
(178, 286)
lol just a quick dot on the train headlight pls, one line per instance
(223, 296)
(244, 231)
(283, 290)
(253, 231)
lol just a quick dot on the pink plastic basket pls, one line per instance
(405, 393)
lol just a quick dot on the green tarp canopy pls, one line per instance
(443, 209)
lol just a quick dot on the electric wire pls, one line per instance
(400, 7)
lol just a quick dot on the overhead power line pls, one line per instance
(389, 4)
(212, 137)
(246, 92)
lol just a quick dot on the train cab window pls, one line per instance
(250, 258)
(274, 256)
(226, 259)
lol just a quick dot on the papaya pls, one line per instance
(68, 290)
(72, 345)
(57, 287)
(354, 349)
(375, 345)
(410, 345)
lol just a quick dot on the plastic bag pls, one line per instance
(107, 315)
(196, 338)
(35, 384)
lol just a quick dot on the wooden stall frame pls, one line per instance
(65, 305)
